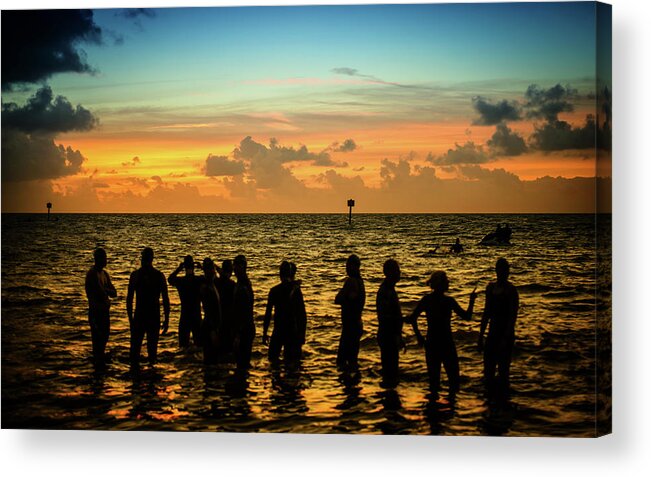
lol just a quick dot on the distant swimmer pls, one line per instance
(148, 285)
(457, 247)
(226, 289)
(351, 298)
(439, 345)
(212, 312)
(278, 306)
(243, 324)
(99, 291)
(390, 320)
(188, 288)
(500, 314)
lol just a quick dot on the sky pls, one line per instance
(405, 108)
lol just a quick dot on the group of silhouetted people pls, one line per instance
(226, 330)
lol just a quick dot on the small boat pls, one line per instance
(501, 236)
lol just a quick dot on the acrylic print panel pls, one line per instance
(371, 219)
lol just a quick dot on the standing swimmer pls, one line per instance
(244, 326)
(99, 291)
(279, 303)
(226, 288)
(212, 313)
(148, 285)
(188, 288)
(298, 322)
(439, 345)
(501, 311)
(352, 298)
(389, 317)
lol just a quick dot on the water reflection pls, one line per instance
(438, 412)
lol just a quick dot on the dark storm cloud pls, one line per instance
(505, 142)
(45, 113)
(548, 103)
(560, 135)
(28, 157)
(39, 43)
(469, 153)
(490, 114)
(222, 166)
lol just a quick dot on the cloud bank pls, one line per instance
(39, 43)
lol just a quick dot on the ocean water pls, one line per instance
(48, 380)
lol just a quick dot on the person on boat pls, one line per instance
(99, 291)
(439, 344)
(500, 314)
(456, 247)
(148, 285)
(351, 298)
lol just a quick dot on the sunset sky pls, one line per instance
(407, 108)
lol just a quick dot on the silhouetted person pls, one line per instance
(457, 247)
(99, 291)
(439, 345)
(226, 289)
(278, 304)
(298, 317)
(507, 232)
(389, 316)
(188, 288)
(244, 326)
(352, 298)
(148, 285)
(500, 313)
(212, 313)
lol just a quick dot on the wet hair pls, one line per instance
(436, 280)
(147, 255)
(188, 262)
(352, 266)
(285, 269)
(390, 267)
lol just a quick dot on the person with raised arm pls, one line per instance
(188, 288)
(439, 344)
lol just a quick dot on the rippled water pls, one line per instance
(48, 380)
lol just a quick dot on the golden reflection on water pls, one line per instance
(48, 381)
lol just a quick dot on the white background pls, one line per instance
(626, 452)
